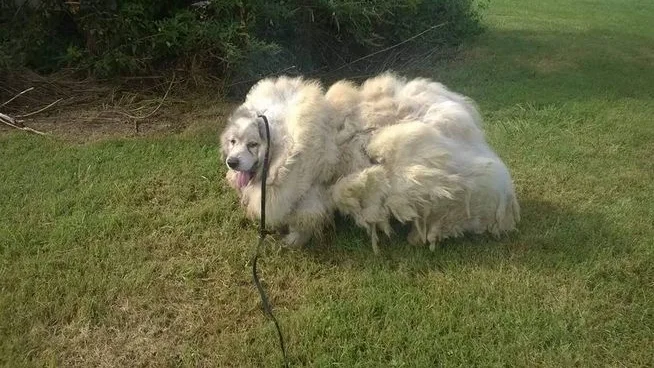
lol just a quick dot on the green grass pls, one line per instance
(133, 252)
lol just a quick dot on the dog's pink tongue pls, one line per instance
(243, 178)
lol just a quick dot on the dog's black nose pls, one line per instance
(232, 162)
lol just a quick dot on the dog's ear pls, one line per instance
(223, 145)
(223, 152)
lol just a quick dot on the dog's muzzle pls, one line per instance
(232, 163)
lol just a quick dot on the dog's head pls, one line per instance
(243, 146)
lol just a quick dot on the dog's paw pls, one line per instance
(414, 237)
(296, 239)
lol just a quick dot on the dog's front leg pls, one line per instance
(296, 238)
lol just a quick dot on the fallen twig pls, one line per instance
(15, 97)
(9, 121)
(39, 110)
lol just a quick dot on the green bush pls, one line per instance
(224, 38)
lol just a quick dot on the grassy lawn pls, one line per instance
(133, 252)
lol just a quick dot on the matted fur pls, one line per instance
(303, 155)
(424, 160)
(441, 186)
(352, 136)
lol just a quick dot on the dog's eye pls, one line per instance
(233, 141)
(253, 144)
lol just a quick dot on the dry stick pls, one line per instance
(8, 120)
(14, 123)
(15, 97)
(39, 110)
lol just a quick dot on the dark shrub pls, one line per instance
(223, 38)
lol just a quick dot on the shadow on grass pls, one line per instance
(548, 236)
(517, 66)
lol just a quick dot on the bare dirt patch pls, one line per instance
(84, 111)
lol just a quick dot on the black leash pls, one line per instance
(262, 234)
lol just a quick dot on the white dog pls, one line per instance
(303, 155)
(390, 149)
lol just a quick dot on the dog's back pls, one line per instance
(433, 166)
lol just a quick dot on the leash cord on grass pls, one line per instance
(267, 308)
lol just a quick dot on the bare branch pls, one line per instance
(9, 121)
(15, 97)
(39, 110)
